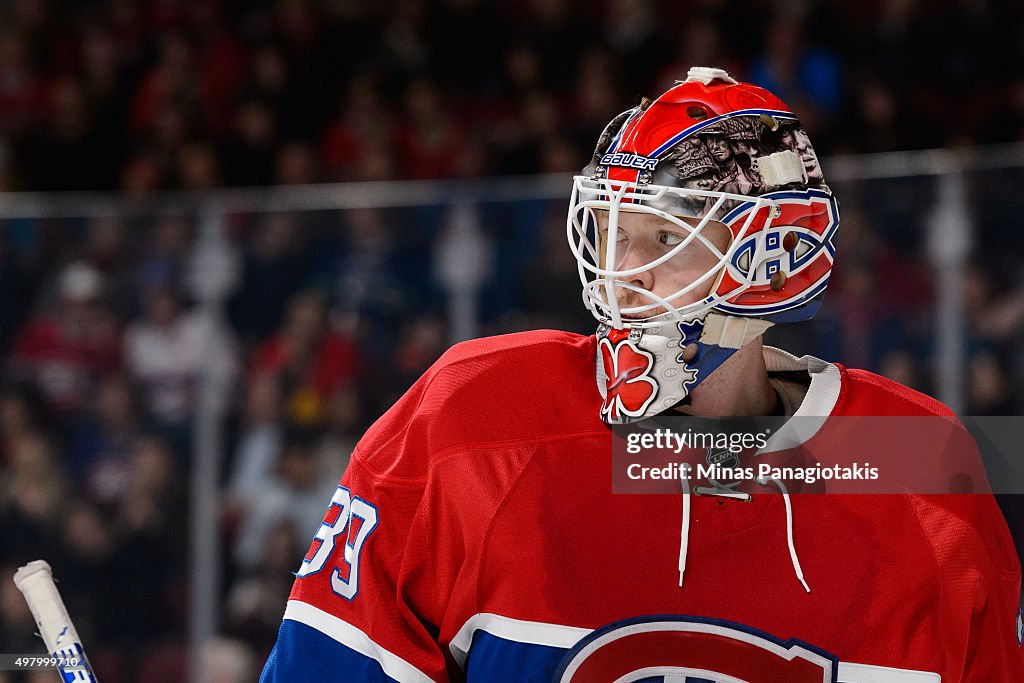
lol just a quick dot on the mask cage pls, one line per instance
(601, 284)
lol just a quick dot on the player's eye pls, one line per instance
(620, 235)
(670, 239)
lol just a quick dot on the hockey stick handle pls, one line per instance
(35, 581)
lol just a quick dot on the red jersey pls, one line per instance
(64, 365)
(475, 537)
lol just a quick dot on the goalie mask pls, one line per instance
(714, 175)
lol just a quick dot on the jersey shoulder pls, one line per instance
(510, 373)
(963, 530)
(514, 388)
(865, 393)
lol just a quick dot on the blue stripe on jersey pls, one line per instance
(303, 654)
(496, 660)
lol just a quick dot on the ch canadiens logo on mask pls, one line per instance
(629, 389)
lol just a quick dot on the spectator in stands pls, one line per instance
(17, 626)
(344, 423)
(109, 249)
(68, 154)
(294, 495)
(165, 352)
(171, 82)
(807, 76)
(255, 596)
(364, 126)
(297, 164)
(422, 341)
(989, 391)
(259, 444)
(22, 88)
(18, 283)
(65, 351)
(429, 142)
(198, 167)
(275, 266)
(21, 413)
(89, 579)
(375, 279)
(32, 496)
(166, 247)
(308, 358)
(148, 541)
(102, 440)
(228, 661)
(251, 150)
(150, 506)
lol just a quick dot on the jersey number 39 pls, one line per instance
(346, 514)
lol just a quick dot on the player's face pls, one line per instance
(643, 238)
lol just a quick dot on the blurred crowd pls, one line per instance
(104, 357)
(333, 314)
(169, 94)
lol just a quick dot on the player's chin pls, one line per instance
(646, 316)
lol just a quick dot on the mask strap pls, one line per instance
(732, 332)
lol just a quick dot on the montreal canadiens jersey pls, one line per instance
(475, 537)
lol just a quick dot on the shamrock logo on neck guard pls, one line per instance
(629, 389)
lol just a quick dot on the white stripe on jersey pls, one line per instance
(866, 673)
(532, 632)
(354, 639)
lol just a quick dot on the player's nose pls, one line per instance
(637, 256)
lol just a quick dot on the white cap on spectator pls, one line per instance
(80, 282)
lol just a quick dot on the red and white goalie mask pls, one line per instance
(702, 220)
